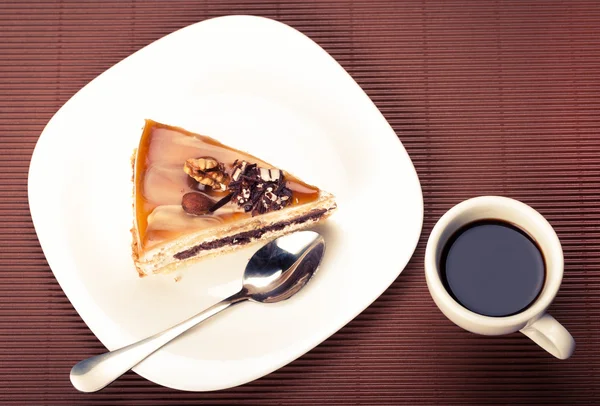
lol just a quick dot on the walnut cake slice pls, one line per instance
(195, 197)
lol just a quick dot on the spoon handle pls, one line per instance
(95, 373)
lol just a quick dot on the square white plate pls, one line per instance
(260, 86)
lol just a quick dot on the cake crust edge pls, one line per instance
(134, 232)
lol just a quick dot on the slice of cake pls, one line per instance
(195, 197)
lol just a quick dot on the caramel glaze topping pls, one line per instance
(161, 183)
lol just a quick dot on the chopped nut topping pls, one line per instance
(207, 171)
(259, 190)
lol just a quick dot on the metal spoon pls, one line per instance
(275, 272)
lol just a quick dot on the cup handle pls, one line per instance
(551, 336)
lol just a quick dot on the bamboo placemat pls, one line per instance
(490, 97)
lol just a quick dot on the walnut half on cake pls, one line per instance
(195, 197)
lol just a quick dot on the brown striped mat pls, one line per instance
(488, 97)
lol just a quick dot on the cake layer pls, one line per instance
(163, 258)
(247, 236)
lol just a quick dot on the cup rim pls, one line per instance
(439, 292)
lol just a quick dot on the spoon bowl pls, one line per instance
(281, 268)
(275, 272)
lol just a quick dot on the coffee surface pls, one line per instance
(493, 268)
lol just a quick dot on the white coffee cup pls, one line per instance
(534, 322)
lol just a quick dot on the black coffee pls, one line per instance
(493, 268)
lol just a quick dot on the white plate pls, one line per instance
(261, 86)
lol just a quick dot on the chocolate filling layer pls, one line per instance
(247, 236)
